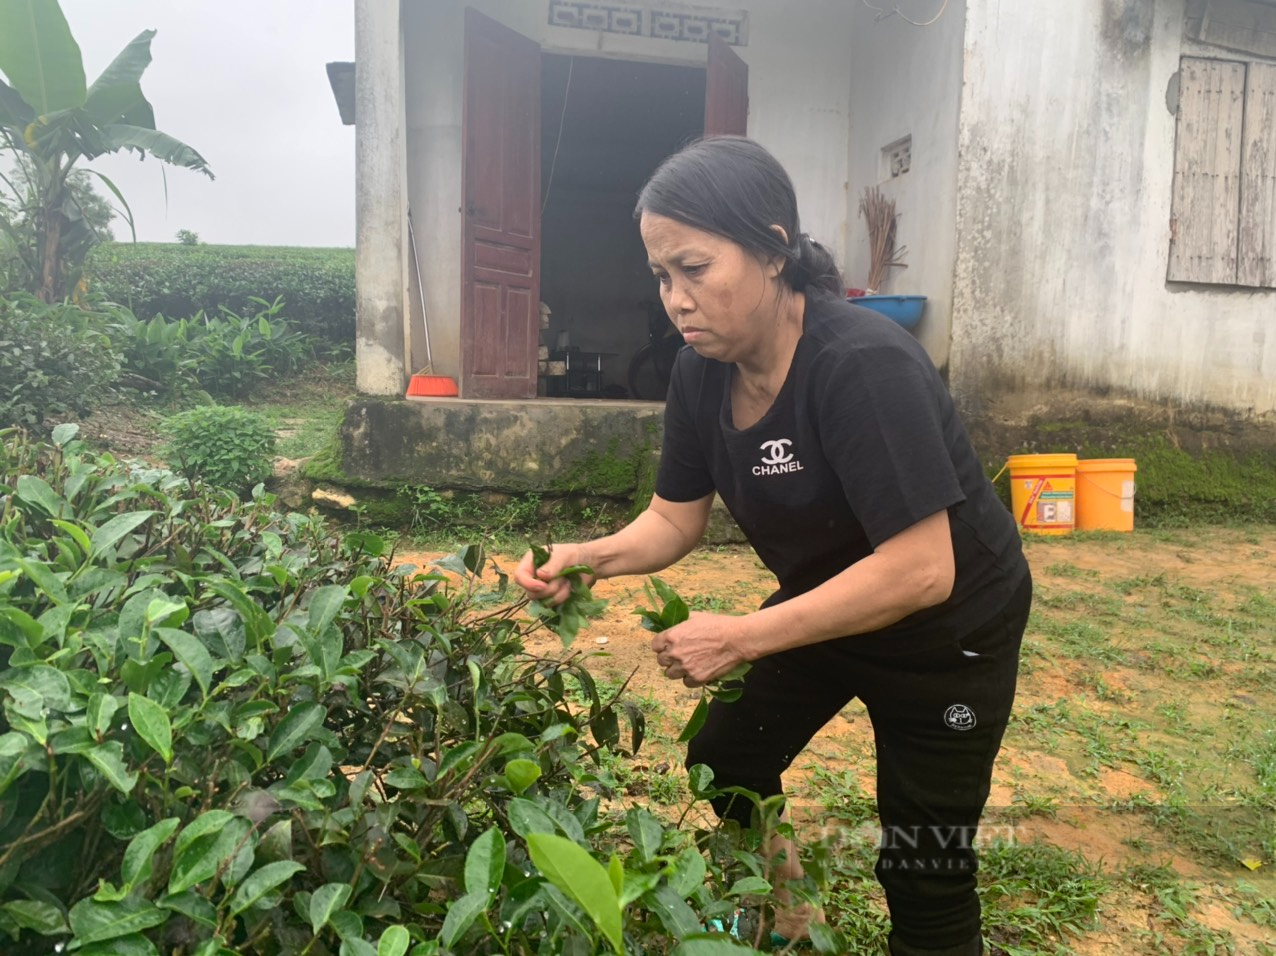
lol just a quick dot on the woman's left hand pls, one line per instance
(701, 649)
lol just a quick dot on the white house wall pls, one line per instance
(1066, 161)
(907, 82)
(799, 61)
(380, 213)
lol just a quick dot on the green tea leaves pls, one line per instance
(567, 619)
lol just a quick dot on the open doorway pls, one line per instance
(605, 126)
(621, 118)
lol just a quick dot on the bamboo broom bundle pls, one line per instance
(881, 220)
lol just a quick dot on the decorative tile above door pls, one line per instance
(656, 20)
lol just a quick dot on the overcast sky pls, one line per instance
(242, 82)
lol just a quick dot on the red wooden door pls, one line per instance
(501, 188)
(726, 94)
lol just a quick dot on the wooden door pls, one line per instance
(501, 211)
(726, 94)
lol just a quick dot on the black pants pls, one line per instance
(938, 718)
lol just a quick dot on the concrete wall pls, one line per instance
(907, 82)
(559, 446)
(1064, 185)
(380, 209)
(799, 82)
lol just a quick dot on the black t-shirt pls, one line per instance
(861, 443)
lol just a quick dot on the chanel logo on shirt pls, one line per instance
(777, 459)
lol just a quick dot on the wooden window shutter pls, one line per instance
(1257, 261)
(1207, 171)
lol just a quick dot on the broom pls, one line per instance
(881, 220)
(424, 383)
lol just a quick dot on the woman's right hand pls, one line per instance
(546, 583)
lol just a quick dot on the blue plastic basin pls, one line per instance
(906, 310)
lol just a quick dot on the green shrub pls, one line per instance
(179, 281)
(53, 359)
(157, 355)
(225, 730)
(226, 355)
(235, 353)
(225, 446)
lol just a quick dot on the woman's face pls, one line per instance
(721, 297)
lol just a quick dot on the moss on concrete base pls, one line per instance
(1194, 465)
(604, 472)
(516, 447)
(1177, 487)
(421, 508)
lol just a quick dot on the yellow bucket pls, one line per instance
(1105, 494)
(1043, 492)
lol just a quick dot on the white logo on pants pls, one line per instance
(960, 717)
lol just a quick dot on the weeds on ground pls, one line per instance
(1036, 895)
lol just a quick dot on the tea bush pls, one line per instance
(173, 279)
(225, 730)
(226, 446)
(53, 359)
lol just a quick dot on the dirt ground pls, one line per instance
(1147, 675)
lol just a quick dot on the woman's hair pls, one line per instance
(732, 187)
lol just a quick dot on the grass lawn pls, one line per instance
(306, 409)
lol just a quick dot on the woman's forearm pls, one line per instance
(909, 573)
(661, 535)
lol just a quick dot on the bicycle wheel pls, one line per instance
(646, 383)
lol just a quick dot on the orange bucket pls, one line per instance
(1043, 492)
(1105, 494)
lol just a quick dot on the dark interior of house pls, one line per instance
(605, 126)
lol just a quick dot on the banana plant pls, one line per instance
(51, 119)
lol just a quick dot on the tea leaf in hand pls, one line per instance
(568, 618)
(539, 556)
(674, 611)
